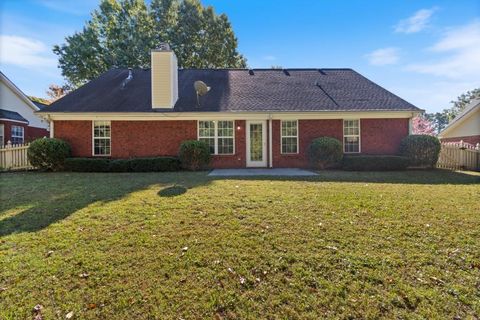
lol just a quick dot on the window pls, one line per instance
(290, 136)
(101, 138)
(351, 136)
(2, 135)
(218, 135)
(17, 135)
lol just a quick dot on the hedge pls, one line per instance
(375, 163)
(421, 150)
(122, 165)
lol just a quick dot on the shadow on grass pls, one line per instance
(432, 177)
(52, 197)
(172, 191)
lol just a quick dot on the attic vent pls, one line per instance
(286, 72)
(250, 72)
(127, 79)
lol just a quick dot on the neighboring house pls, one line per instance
(18, 121)
(249, 118)
(465, 126)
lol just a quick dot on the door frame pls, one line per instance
(258, 164)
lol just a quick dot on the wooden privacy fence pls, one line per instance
(459, 155)
(14, 157)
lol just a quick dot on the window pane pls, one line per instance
(210, 142)
(206, 128)
(101, 147)
(289, 145)
(351, 144)
(225, 129)
(289, 128)
(225, 145)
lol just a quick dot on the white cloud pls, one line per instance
(25, 52)
(435, 96)
(460, 50)
(417, 22)
(384, 56)
(269, 58)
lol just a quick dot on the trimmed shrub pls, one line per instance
(325, 152)
(119, 165)
(194, 155)
(154, 164)
(421, 150)
(122, 165)
(48, 153)
(87, 164)
(375, 163)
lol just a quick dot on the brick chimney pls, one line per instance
(164, 77)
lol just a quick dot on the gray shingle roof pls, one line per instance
(12, 115)
(235, 90)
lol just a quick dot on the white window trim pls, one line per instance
(23, 134)
(216, 136)
(282, 136)
(2, 134)
(352, 135)
(93, 139)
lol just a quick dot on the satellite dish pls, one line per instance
(201, 88)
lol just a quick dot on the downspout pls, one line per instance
(270, 148)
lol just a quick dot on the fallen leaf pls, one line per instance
(83, 275)
(184, 249)
(49, 253)
(69, 315)
(242, 280)
(332, 248)
(37, 308)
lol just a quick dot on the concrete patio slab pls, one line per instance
(285, 172)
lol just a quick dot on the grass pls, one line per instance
(184, 246)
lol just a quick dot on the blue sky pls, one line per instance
(427, 52)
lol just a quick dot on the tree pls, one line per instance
(56, 92)
(422, 125)
(121, 33)
(39, 100)
(463, 100)
(441, 119)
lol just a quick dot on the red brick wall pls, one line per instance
(308, 130)
(78, 134)
(468, 139)
(156, 138)
(33, 133)
(382, 136)
(29, 133)
(150, 138)
(146, 139)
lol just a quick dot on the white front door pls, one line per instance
(256, 143)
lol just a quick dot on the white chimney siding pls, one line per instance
(164, 78)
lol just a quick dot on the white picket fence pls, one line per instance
(14, 157)
(459, 155)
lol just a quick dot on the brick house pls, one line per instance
(249, 118)
(18, 121)
(465, 127)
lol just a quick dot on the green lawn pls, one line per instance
(184, 246)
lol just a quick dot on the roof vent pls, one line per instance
(250, 72)
(285, 71)
(128, 78)
(322, 72)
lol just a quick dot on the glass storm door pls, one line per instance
(256, 144)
